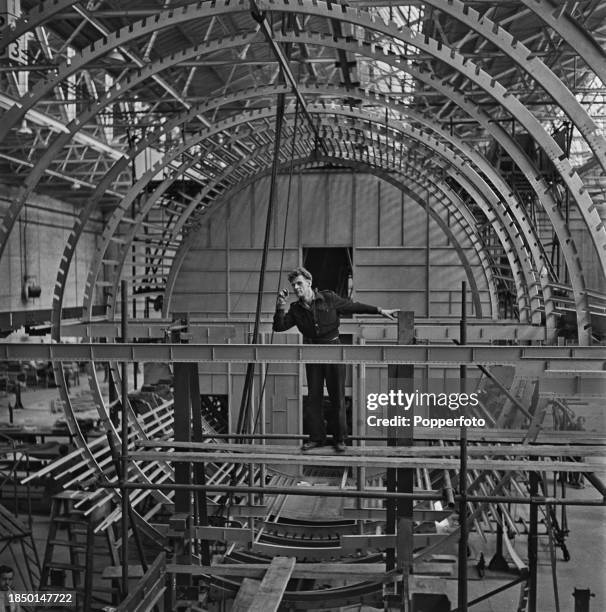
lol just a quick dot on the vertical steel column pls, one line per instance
(183, 499)
(124, 439)
(400, 512)
(361, 431)
(533, 540)
(199, 468)
(463, 530)
(135, 363)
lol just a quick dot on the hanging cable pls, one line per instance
(250, 369)
(288, 194)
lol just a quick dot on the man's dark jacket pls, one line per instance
(319, 323)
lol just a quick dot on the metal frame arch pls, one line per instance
(573, 33)
(465, 169)
(455, 211)
(113, 94)
(35, 17)
(160, 67)
(106, 44)
(137, 187)
(467, 68)
(490, 85)
(458, 209)
(381, 173)
(503, 137)
(242, 118)
(578, 37)
(151, 200)
(533, 66)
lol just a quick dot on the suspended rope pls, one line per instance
(244, 412)
(288, 194)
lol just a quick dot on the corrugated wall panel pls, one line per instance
(367, 217)
(340, 227)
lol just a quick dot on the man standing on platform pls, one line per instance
(316, 316)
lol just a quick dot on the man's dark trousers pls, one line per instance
(334, 374)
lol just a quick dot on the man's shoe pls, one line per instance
(311, 444)
(339, 446)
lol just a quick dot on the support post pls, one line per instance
(124, 439)
(135, 363)
(463, 529)
(399, 513)
(533, 538)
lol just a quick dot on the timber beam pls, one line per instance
(517, 450)
(347, 460)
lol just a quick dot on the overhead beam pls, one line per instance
(259, 16)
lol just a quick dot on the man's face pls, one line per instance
(300, 285)
(6, 580)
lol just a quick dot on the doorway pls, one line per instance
(331, 268)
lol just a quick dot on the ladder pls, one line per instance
(15, 532)
(72, 532)
(524, 593)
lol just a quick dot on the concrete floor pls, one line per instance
(586, 543)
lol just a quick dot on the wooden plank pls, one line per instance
(231, 534)
(246, 594)
(479, 450)
(115, 571)
(150, 585)
(272, 587)
(346, 460)
(301, 570)
(355, 542)
(246, 511)
(313, 571)
(378, 514)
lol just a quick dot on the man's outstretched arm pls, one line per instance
(347, 306)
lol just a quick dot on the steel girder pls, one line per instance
(573, 33)
(432, 189)
(110, 97)
(542, 74)
(467, 68)
(114, 222)
(542, 358)
(168, 126)
(192, 206)
(209, 47)
(28, 22)
(174, 231)
(389, 174)
(514, 150)
(145, 73)
(462, 167)
(485, 81)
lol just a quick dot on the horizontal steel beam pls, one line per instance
(365, 328)
(582, 359)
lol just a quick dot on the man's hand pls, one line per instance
(388, 314)
(281, 301)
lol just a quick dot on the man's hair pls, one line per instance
(301, 271)
(6, 569)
